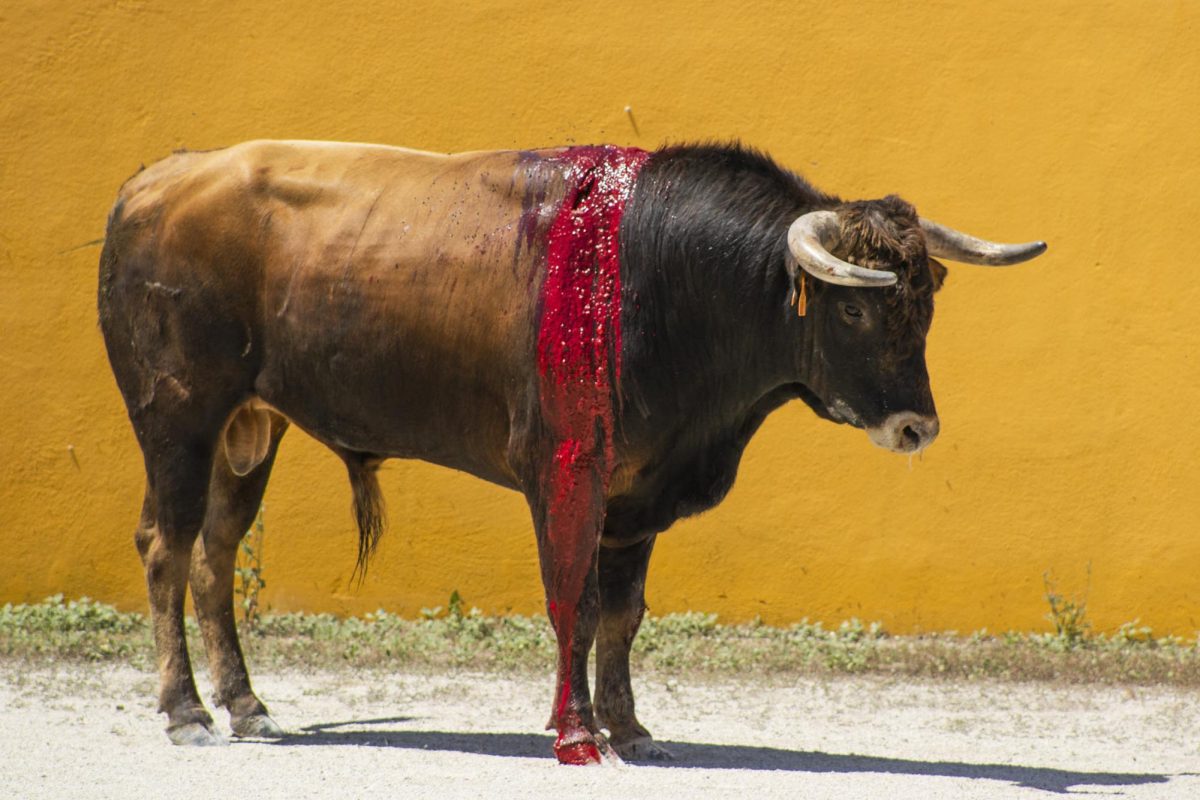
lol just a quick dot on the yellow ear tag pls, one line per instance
(802, 296)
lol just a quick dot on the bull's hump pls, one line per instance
(269, 149)
(261, 162)
(261, 152)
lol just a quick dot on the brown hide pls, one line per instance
(379, 295)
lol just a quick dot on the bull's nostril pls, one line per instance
(906, 432)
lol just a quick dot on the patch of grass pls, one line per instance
(76, 629)
(1068, 615)
(693, 643)
(466, 639)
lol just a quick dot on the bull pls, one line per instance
(602, 329)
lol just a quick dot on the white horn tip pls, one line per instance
(1023, 252)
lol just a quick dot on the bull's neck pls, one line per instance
(707, 323)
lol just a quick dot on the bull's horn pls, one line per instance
(943, 242)
(806, 242)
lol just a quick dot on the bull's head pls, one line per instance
(871, 307)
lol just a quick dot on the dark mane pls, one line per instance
(701, 207)
(728, 196)
(699, 210)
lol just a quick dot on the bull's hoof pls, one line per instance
(583, 748)
(643, 748)
(195, 734)
(256, 726)
(578, 753)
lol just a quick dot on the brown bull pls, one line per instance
(601, 329)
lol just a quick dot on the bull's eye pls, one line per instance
(851, 311)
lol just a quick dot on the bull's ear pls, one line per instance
(938, 271)
(798, 297)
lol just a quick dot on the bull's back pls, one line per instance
(378, 297)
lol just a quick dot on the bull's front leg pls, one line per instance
(622, 579)
(568, 514)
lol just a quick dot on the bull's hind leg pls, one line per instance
(622, 574)
(177, 476)
(233, 501)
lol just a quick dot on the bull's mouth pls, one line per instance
(906, 432)
(840, 412)
(837, 411)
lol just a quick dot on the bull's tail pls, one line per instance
(368, 508)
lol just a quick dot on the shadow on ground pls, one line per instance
(715, 756)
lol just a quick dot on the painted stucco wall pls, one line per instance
(1069, 388)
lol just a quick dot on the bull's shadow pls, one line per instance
(717, 756)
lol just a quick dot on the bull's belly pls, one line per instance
(396, 413)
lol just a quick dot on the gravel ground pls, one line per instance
(84, 731)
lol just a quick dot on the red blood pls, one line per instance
(579, 361)
(577, 753)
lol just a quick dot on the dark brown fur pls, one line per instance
(886, 234)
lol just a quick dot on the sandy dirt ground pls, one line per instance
(91, 732)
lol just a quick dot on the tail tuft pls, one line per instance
(368, 508)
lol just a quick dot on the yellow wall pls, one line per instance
(1069, 388)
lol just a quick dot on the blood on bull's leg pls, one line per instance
(569, 517)
(579, 367)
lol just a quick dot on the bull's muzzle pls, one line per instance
(905, 432)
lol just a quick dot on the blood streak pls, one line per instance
(579, 362)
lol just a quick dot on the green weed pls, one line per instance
(82, 629)
(249, 569)
(465, 638)
(1068, 614)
